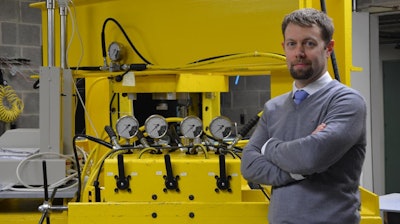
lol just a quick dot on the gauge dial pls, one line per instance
(191, 127)
(221, 127)
(127, 126)
(116, 51)
(156, 126)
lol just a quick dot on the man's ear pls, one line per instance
(329, 47)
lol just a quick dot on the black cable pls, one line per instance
(99, 141)
(111, 108)
(212, 58)
(87, 68)
(2, 81)
(103, 41)
(118, 106)
(333, 56)
(93, 139)
(119, 78)
(265, 193)
(102, 163)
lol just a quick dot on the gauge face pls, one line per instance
(221, 127)
(191, 127)
(127, 127)
(115, 51)
(156, 126)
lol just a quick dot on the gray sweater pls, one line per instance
(331, 160)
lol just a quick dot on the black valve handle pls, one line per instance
(122, 181)
(45, 213)
(223, 179)
(171, 182)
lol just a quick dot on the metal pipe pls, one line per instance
(50, 33)
(63, 36)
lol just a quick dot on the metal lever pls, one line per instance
(46, 207)
(222, 180)
(171, 182)
(122, 181)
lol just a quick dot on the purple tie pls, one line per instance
(299, 96)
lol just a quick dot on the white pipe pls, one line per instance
(63, 36)
(50, 33)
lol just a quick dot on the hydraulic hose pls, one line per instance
(14, 106)
(103, 41)
(333, 56)
(243, 132)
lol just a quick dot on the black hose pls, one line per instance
(106, 144)
(103, 40)
(333, 56)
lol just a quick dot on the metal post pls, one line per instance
(50, 33)
(63, 36)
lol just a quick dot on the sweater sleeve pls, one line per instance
(315, 153)
(255, 167)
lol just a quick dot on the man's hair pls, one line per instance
(307, 17)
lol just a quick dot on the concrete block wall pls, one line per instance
(20, 38)
(245, 99)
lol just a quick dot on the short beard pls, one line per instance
(301, 75)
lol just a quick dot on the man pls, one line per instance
(310, 152)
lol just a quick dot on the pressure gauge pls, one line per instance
(221, 127)
(127, 127)
(156, 126)
(191, 127)
(116, 51)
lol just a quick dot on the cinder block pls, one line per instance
(27, 121)
(9, 10)
(233, 114)
(245, 99)
(7, 51)
(34, 54)
(8, 33)
(30, 15)
(261, 82)
(264, 96)
(226, 100)
(29, 34)
(31, 102)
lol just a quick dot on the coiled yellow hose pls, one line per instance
(11, 105)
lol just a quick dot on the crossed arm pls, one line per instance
(268, 173)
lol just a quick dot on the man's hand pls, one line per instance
(319, 128)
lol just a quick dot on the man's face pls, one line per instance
(306, 53)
